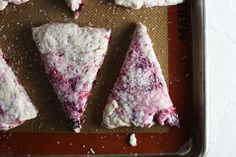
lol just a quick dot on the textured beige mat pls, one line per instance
(17, 43)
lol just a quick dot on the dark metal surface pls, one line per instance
(200, 138)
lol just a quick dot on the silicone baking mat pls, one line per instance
(169, 29)
(17, 43)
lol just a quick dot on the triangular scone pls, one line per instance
(4, 3)
(140, 96)
(15, 105)
(72, 56)
(76, 6)
(137, 4)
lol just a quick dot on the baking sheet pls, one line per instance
(16, 41)
(172, 43)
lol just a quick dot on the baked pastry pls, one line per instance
(137, 4)
(15, 105)
(140, 96)
(76, 6)
(4, 3)
(72, 56)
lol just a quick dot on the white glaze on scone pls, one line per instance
(137, 4)
(15, 105)
(140, 96)
(72, 57)
(76, 6)
(4, 3)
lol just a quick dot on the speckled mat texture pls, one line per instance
(17, 44)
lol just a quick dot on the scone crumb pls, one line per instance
(92, 151)
(133, 140)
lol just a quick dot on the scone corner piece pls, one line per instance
(4, 3)
(15, 106)
(137, 4)
(140, 95)
(72, 56)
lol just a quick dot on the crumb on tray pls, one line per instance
(92, 151)
(133, 140)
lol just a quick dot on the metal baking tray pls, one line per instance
(186, 59)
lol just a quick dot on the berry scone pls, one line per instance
(4, 3)
(76, 6)
(140, 96)
(15, 105)
(72, 56)
(137, 4)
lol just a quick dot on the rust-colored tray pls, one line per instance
(178, 43)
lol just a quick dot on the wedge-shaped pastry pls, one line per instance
(76, 6)
(4, 3)
(137, 4)
(15, 105)
(140, 95)
(72, 57)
